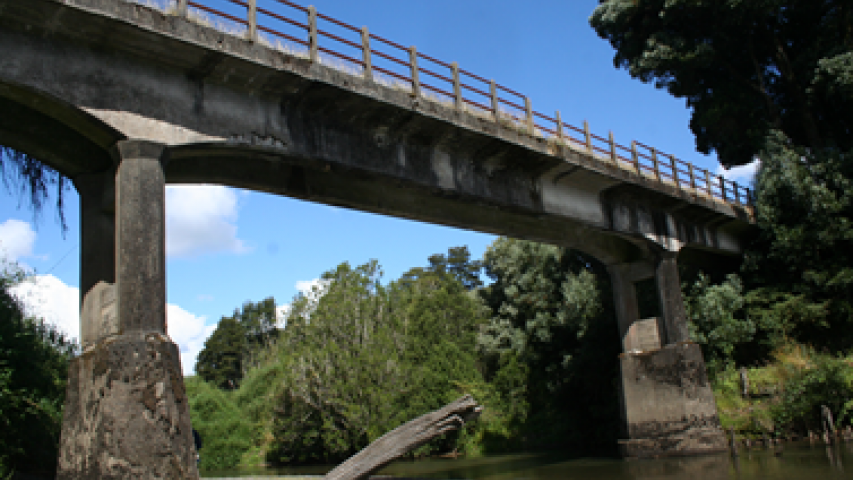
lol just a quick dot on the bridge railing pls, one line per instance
(326, 40)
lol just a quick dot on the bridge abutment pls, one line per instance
(126, 412)
(668, 407)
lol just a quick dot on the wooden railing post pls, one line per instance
(457, 87)
(737, 192)
(723, 189)
(708, 183)
(252, 17)
(529, 111)
(365, 54)
(493, 92)
(587, 136)
(413, 63)
(691, 175)
(312, 34)
(674, 165)
(635, 156)
(613, 155)
(656, 164)
(182, 8)
(559, 127)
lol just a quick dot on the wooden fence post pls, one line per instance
(182, 10)
(529, 111)
(674, 166)
(457, 87)
(723, 189)
(655, 163)
(613, 156)
(692, 176)
(413, 63)
(493, 92)
(312, 34)
(252, 17)
(365, 54)
(635, 156)
(559, 127)
(587, 136)
(708, 183)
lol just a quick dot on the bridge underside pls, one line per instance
(121, 126)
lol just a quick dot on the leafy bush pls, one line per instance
(225, 431)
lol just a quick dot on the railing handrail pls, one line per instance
(645, 160)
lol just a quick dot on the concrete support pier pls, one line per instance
(126, 411)
(668, 407)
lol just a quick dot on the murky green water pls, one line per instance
(794, 462)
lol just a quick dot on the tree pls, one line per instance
(552, 334)
(33, 179)
(457, 264)
(34, 359)
(220, 362)
(746, 68)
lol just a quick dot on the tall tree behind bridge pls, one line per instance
(774, 80)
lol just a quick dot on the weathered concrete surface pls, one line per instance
(126, 413)
(103, 70)
(98, 316)
(668, 405)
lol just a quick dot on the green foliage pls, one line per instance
(225, 431)
(34, 359)
(744, 67)
(826, 381)
(552, 334)
(33, 179)
(220, 362)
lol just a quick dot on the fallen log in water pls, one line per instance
(413, 434)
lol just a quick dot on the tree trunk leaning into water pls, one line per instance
(413, 434)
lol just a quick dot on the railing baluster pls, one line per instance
(587, 136)
(708, 183)
(692, 177)
(413, 63)
(723, 189)
(559, 126)
(312, 34)
(493, 92)
(529, 111)
(252, 17)
(656, 164)
(635, 156)
(674, 166)
(737, 192)
(457, 88)
(613, 155)
(182, 8)
(365, 54)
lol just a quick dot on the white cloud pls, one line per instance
(47, 297)
(201, 219)
(313, 289)
(189, 332)
(16, 239)
(741, 174)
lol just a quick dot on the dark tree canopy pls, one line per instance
(744, 67)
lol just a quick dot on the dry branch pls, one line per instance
(413, 434)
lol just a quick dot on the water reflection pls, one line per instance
(791, 462)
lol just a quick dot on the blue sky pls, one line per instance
(227, 246)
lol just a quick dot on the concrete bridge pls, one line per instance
(124, 98)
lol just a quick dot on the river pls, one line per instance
(793, 461)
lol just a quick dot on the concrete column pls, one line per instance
(671, 301)
(140, 237)
(126, 411)
(668, 408)
(97, 230)
(638, 334)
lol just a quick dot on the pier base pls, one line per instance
(668, 404)
(126, 412)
